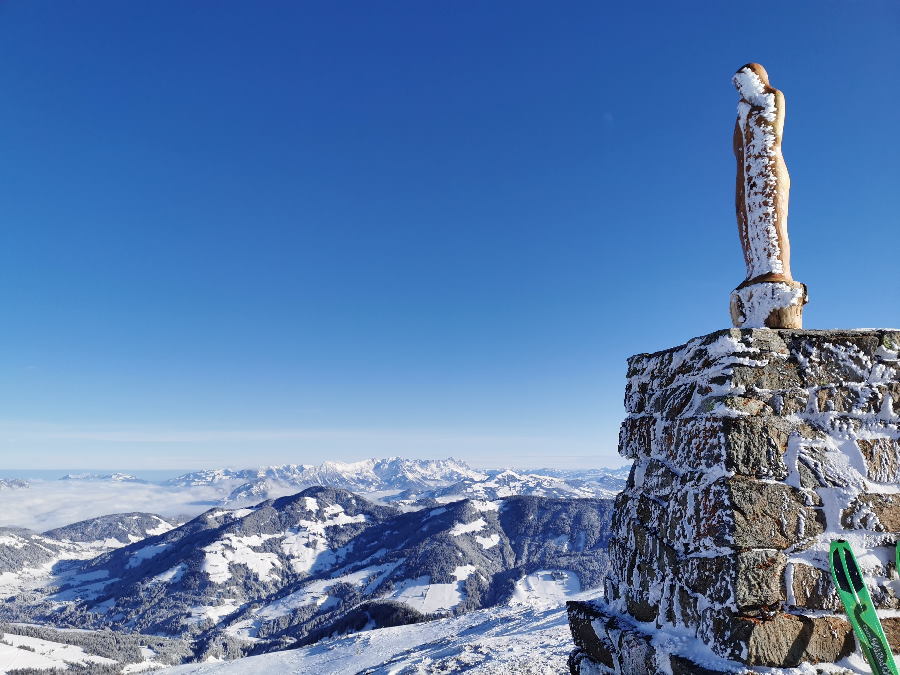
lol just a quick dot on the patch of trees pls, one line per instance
(122, 647)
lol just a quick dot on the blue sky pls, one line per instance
(262, 232)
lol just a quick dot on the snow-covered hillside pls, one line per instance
(293, 571)
(30, 560)
(509, 483)
(23, 651)
(423, 544)
(114, 530)
(34, 649)
(529, 638)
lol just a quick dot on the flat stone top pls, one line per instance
(765, 336)
(717, 355)
(695, 378)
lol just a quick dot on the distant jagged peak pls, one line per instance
(209, 477)
(507, 474)
(584, 474)
(115, 476)
(371, 474)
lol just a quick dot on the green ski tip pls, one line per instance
(860, 610)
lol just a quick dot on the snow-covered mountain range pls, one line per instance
(393, 473)
(278, 563)
(51, 503)
(116, 476)
(325, 561)
(405, 480)
(492, 484)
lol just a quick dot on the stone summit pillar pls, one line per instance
(753, 449)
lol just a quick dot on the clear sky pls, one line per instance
(238, 233)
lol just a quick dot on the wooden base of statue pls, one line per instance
(769, 304)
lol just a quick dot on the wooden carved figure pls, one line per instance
(769, 296)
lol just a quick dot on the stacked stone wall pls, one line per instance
(752, 450)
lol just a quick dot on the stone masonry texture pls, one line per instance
(753, 450)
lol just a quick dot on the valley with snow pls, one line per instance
(388, 565)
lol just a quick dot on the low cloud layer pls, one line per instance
(48, 504)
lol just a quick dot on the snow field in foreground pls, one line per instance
(521, 640)
(530, 636)
(21, 651)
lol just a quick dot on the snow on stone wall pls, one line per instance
(753, 450)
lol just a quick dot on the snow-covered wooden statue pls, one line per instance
(769, 296)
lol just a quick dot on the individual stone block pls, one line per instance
(876, 512)
(739, 405)
(691, 443)
(635, 397)
(680, 665)
(749, 445)
(787, 640)
(589, 633)
(635, 653)
(789, 402)
(771, 515)
(606, 641)
(671, 402)
(892, 389)
(759, 588)
(755, 446)
(813, 588)
(580, 663)
(700, 518)
(644, 562)
(843, 399)
(812, 467)
(882, 456)
(775, 372)
(840, 357)
(658, 480)
(636, 437)
(891, 627)
(709, 577)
